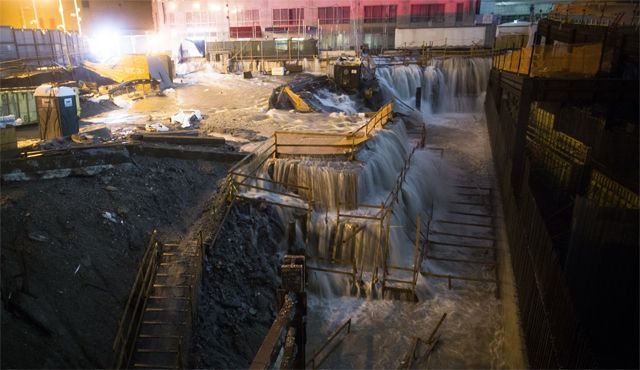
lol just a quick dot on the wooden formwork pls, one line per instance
(606, 192)
(302, 143)
(562, 158)
(245, 176)
(551, 60)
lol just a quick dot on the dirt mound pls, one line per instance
(237, 302)
(71, 248)
(92, 108)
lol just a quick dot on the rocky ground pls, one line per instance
(71, 248)
(237, 304)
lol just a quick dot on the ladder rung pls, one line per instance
(161, 297)
(470, 214)
(461, 245)
(151, 350)
(159, 309)
(463, 236)
(179, 254)
(469, 204)
(398, 281)
(170, 286)
(173, 263)
(152, 322)
(472, 187)
(151, 366)
(473, 195)
(460, 261)
(408, 290)
(463, 223)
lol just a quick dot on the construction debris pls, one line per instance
(186, 117)
(156, 127)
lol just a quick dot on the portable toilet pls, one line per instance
(57, 111)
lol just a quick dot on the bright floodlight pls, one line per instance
(105, 43)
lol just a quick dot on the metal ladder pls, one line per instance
(167, 313)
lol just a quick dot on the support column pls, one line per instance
(520, 136)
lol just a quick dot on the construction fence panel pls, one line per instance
(26, 45)
(41, 47)
(561, 158)
(606, 192)
(582, 60)
(581, 125)
(8, 50)
(553, 337)
(603, 262)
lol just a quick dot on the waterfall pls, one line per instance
(311, 67)
(345, 188)
(448, 85)
(329, 182)
(367, 180)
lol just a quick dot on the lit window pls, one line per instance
(333, 15)
(284, 17)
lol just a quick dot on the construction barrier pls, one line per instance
(320, 144)
(552, 60)
(606, 192)
(561, 157)
(37, 48)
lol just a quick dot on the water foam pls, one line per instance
(448, 85)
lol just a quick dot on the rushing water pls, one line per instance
(448, 85)
(473, 334)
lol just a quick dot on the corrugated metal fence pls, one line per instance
(36, 48)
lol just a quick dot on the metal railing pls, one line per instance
(606, 192)
(431, 342)
(382, 216)
(315, 362)
(129, 325)
(583, 60)
(316, 143)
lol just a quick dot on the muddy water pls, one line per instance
(480, 331)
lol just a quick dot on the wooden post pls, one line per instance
(524, 107)
(275, 143)
(386, 246)
(291, 235)
(416, 263)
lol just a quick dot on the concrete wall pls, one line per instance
(452, 36)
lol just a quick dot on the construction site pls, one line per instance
(467, 198)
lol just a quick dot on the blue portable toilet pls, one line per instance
(57, 111)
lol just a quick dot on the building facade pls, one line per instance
(128, 17)
(338, 25)
(522, 10)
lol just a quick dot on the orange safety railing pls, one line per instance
(582, 60)
(317, 144)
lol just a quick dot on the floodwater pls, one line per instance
(480, 330)
(233, 107)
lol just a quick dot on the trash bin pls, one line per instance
(57, 111)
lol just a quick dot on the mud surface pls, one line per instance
(67, 265)
(237, 302)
